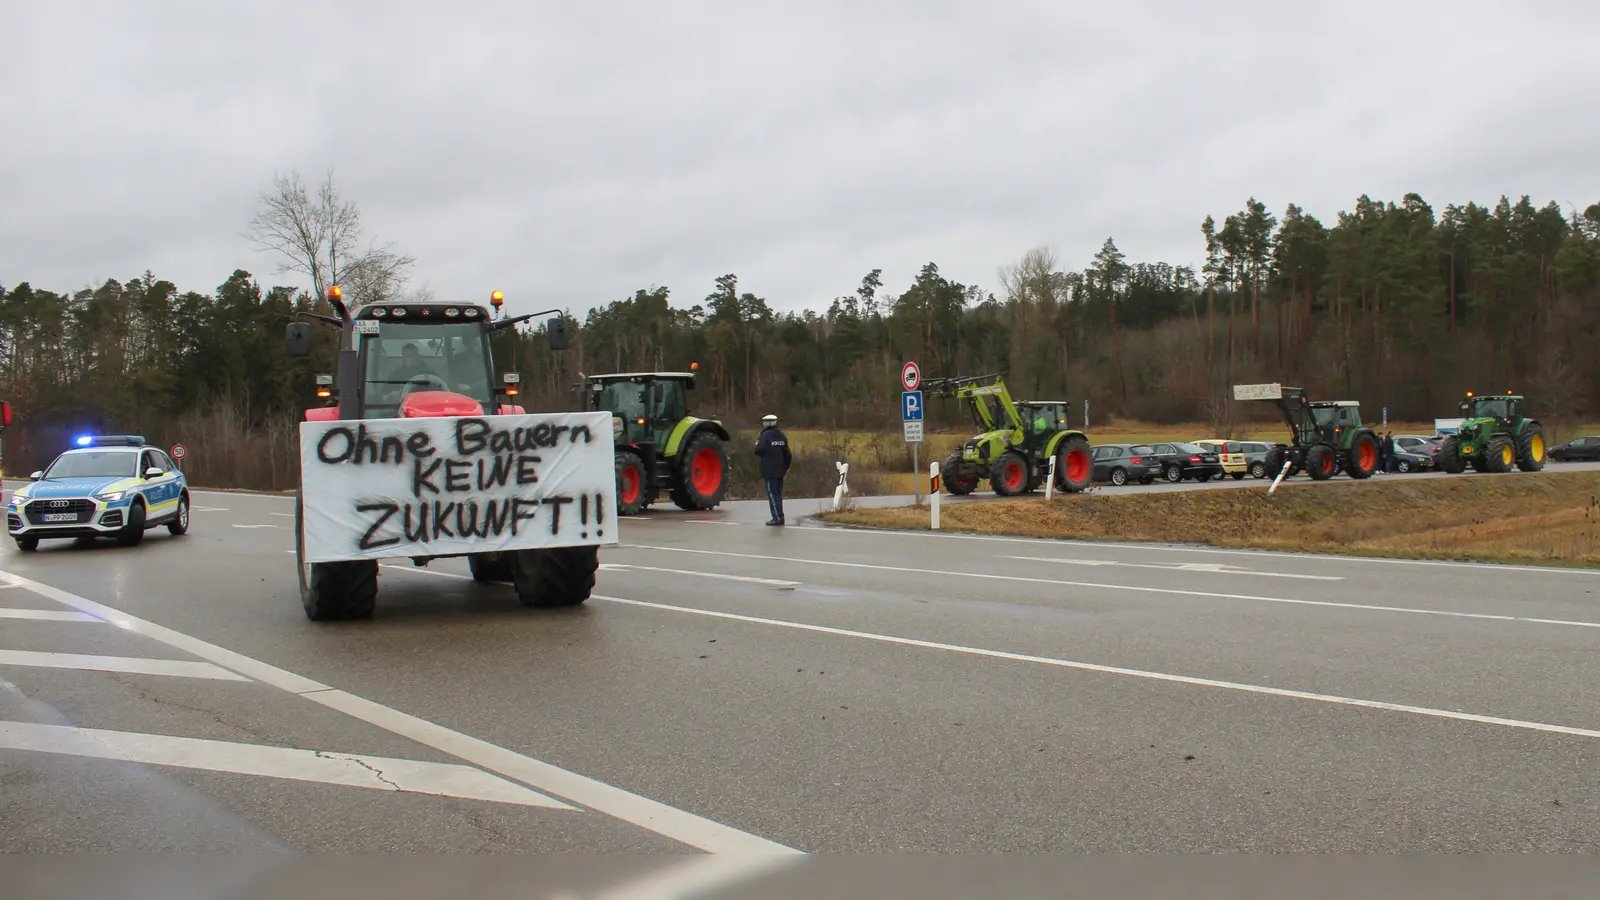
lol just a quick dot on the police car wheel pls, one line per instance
(27, 544)
(133, 532)
(180, 523)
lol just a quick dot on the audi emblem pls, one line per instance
(59, 503)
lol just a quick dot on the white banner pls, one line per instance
(1258, 391)
(386, 488)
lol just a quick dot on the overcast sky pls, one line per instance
(570, 152)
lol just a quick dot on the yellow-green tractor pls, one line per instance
(1018, 442)
(1494, 437)
(659, 446)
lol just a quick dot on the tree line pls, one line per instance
(1393, 304)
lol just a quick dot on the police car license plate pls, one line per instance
(61, 517)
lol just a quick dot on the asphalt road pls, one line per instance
(749, 690)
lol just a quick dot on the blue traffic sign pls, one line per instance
(911, 406)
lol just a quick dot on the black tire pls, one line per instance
(180, 521)
(555, 577)
(1402, 466)
(1320, 462)
(1501, 455)
(633, 485)
(1449, 456)
(704, 452)
(1365, 446)
(1239, 476)
(1008, 475)
(1147, 479)
(1203, 477)
(337, 590)
(953, 482)
(1258, 470)
(28, 544)
(1119, 477)
(1075, 464)
(1531, 448)
(132, 531)
(489, 568)
(1172, 473)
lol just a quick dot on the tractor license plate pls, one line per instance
(61, 517)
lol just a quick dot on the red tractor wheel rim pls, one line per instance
(706, 471)
(1013, 475)
(630, 484)
(1327, 464)
(1077, 466)
(1368, 455)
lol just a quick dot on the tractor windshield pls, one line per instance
(622, 398)
(1324, 415)
(403, 358)
(1486, 408)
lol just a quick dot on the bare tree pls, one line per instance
(320, 236)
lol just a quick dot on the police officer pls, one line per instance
(773, 448)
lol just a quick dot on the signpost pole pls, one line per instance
(916, 474)
(911, 421)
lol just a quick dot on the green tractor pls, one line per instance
(1326, 436)
(660, 447)
(1493, 437)
(1018, 441)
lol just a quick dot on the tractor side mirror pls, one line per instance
(297, 339)
(1462, 406)
(556, 330)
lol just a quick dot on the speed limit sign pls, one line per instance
(910, 376)
(179, 451)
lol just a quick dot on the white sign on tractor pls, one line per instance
(1272, 391)
(387, 488)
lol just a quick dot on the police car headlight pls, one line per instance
(110, 496)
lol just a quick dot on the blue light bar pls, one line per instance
(110, 440)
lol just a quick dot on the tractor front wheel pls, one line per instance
(1449, 457)
(1501, 455)
(701, 479)
(1531, 449)
(554, 577)
(953, 480)
(333, 590)
(1075, 465)
(1320, 462)
(1009, 474)
(1363, 456)
(632, 483)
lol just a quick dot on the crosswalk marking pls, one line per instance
(45, 615)
(404, 776)
(131, 664)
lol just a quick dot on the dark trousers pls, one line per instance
(775, 498)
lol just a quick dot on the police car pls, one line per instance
(107, 486)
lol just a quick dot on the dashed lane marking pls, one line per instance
(132, 665)
(44, 615)
(1212, 568)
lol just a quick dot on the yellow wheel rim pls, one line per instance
(1505, 455)
(1538, 448)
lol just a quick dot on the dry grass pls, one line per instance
(1548, 518)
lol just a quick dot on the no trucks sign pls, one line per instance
(387, 488)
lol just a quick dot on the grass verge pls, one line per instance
(1550, 518)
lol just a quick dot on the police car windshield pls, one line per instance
(93, 464)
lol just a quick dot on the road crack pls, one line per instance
(377, 772)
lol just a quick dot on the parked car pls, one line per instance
(1409, 460)
(1119, 463)
(1582, 448)
(1231, 455)
(1255, 458)
(1416, 443)
(1181, 461)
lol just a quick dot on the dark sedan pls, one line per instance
(1183, 461)
(1119, 463)
(1576, 450)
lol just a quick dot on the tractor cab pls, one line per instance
(1041, 418)
(408, 359)
(644, 406)
(1330, 418)
(660, 447)
(1501, 409)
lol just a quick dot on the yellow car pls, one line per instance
(1231, 453)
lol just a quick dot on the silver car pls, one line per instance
(1255, 456)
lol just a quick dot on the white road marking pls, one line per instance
(1213, 568)
(1168, 548)
(1119, 670)
(176, 667)
(708, 522)
(44, 615)
(404, 776)
(195, 509)
(1369, 607)
(695, 877)
(776, 582)
(676, 824)
(285, 515)
(237, 525)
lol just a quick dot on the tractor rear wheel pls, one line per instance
(554, 577)
(950, 475)
(1075, 465)
(1363, 456)
(1009, 474)
(489, 568)
(1449, 456)
(632, 484)
(701, 478)
(333, 590)
(1320, 462)
(1531, 449)
(1501, 455)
